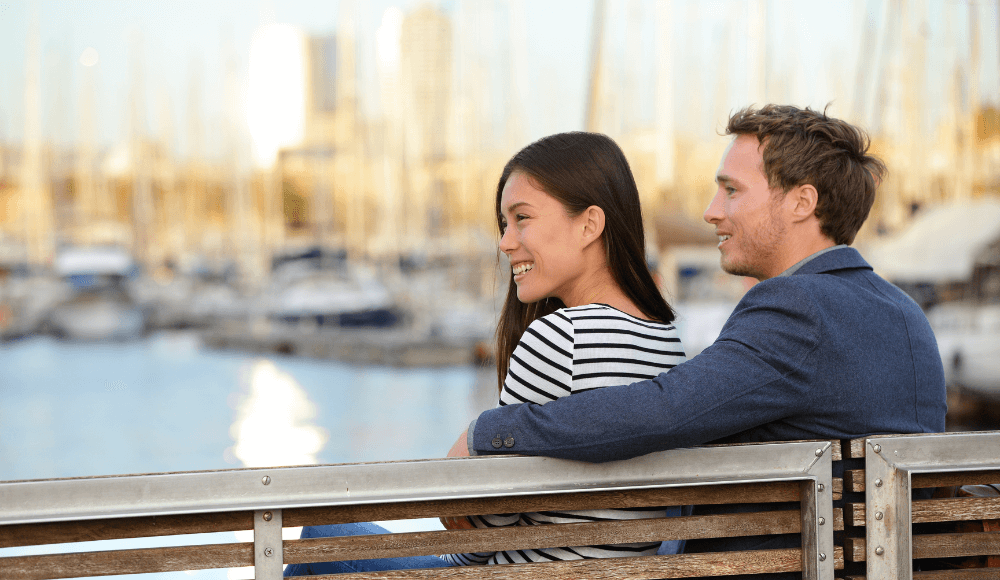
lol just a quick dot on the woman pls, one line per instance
(582, 312)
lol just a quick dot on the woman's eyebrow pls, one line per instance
(516, 205)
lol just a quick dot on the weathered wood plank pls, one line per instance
(856, 514)
(782, 491)
(857, 448)
(956, 545)
(547, 536)
(854, 549)
(126, 561)
(957, 478)
(958, 509)
(856, 477)
(120, 528)
(936, 546)
(961, 574)
(648, 568)
(838, 519)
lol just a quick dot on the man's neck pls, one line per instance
(795, 267)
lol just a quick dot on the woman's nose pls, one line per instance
(507, 241)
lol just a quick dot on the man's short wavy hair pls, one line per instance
(802, 146)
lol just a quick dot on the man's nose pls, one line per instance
(713, 212)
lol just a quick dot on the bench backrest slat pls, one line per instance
(85, 509)
(170, 559)
(122, 528)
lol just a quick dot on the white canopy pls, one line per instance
(940, 245)
(100, 260)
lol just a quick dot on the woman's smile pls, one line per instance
(520, 269)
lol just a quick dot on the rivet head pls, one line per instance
(819, 452)
(877, 448)
(822, 557)
(268, 552)
(820, 487)
(822, 521)
(878, 515)
(266, 480)
(878, 483)
(267, 516)
(879, 551)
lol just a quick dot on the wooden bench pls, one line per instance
(62, 511)
(891, 534)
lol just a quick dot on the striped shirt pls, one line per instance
(571, 351)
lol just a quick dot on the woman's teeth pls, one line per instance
(522, 268)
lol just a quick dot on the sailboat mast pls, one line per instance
(35, 190)
(142, 190)
(592, 120)
(664, 96)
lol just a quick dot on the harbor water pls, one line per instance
(166, 403)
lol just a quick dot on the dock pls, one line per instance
(390, 347)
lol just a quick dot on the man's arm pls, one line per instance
(734, 385)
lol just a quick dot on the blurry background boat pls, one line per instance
(321, 289)
(98, 304)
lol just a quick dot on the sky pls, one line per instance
(814, 53)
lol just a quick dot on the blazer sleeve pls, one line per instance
(737, 383)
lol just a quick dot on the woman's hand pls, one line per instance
(457, 523)
(461, 447)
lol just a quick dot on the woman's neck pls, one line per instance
(601, 288)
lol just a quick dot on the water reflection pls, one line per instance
(274, 420)
(167, 404)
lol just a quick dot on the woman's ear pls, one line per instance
(592, 220)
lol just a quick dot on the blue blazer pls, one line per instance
(831, 352)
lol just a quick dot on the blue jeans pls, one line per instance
(409, 563)
(374, 565)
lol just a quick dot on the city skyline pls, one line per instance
(185, 49)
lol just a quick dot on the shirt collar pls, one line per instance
(807, 259)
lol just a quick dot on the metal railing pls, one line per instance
(890, 464)
(48, 511)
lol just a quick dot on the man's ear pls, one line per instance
(593, 223)
(801, 202)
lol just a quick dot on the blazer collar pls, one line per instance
(837, 259)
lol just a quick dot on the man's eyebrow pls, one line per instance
(722, 178)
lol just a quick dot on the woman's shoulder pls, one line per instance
(598, 313)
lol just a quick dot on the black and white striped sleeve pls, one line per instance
(541, 366)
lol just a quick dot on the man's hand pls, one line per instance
(461, 447)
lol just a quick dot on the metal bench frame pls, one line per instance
(890, 461)
(268, 491)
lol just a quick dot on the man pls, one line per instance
(820, 348)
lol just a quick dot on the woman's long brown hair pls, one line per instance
(580, 170)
